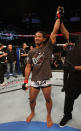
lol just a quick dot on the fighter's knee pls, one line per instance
(32, 101)
(48, 100)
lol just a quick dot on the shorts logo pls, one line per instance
(40, 82)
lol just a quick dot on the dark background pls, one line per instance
(12, 12)
(13, 15)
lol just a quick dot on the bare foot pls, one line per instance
(29, 118)
(49, 121)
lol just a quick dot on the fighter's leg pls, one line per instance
(33, 95)
(47, 95)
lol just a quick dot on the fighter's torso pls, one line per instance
(41, 58)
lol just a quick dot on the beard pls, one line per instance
(38, 44)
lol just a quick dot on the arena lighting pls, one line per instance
(11, 35)
(35, 20)
(21, 35)
(75, 19)
(6, 35)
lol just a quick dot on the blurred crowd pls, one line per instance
(8, 60)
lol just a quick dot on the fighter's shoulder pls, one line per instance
(31, 51)
(49, 43)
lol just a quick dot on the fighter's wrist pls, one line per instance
(26, 81)
(58, 15)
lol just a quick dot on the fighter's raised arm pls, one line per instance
(55, 31)
(59, 14)
(64, 31)
(59, 24)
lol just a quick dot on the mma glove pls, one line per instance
(60, 14)
(25, 85)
